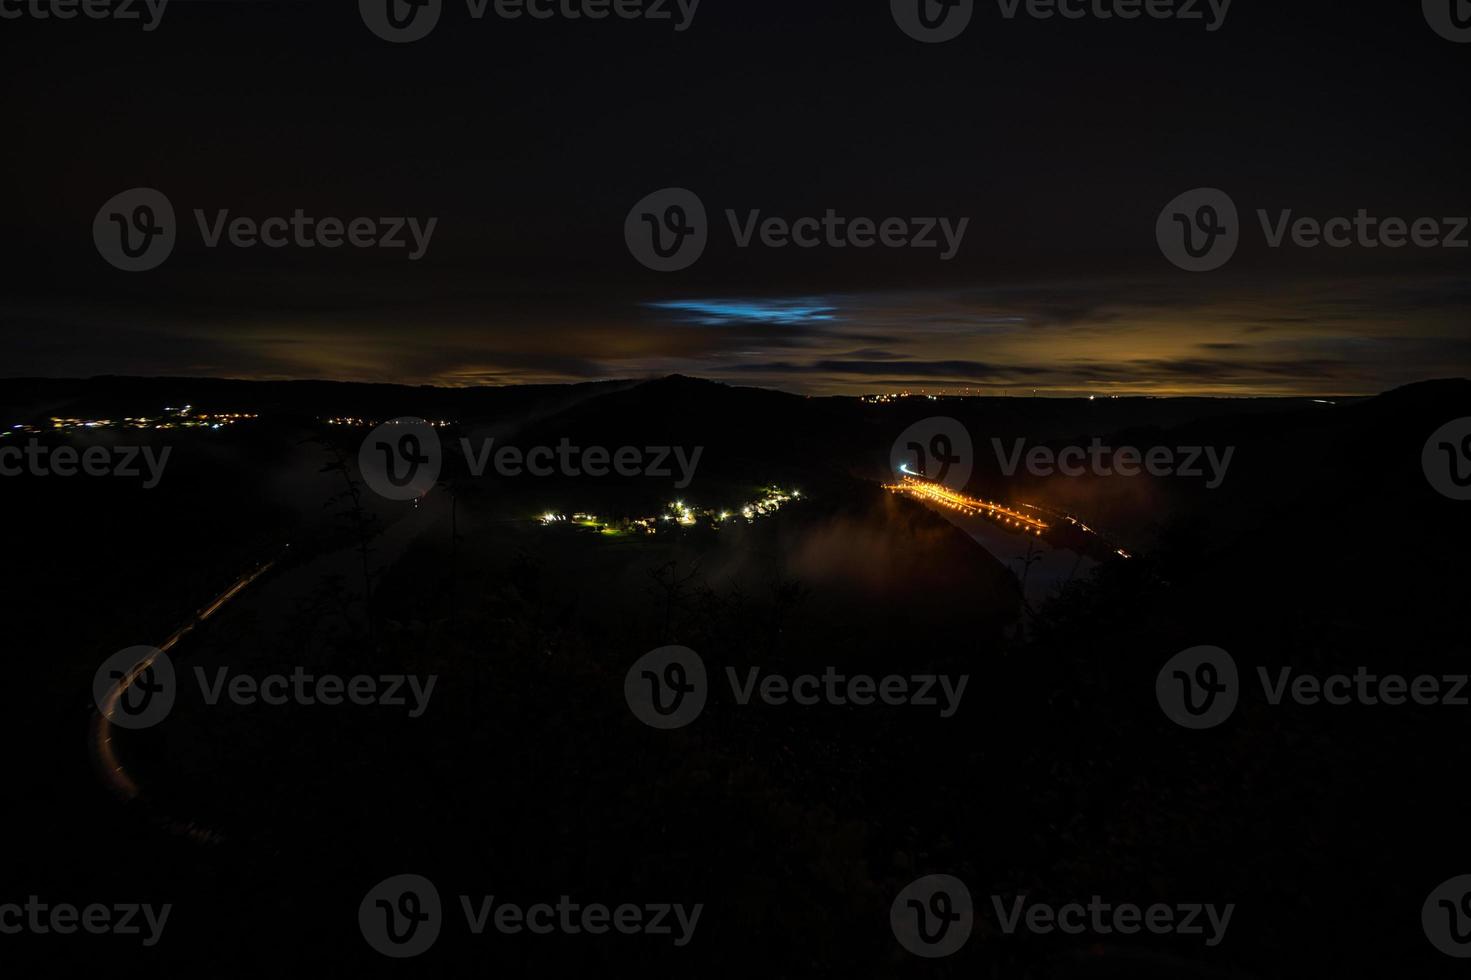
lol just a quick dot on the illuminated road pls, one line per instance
(111, 770)
(943, 496)
(1044, 566)
(277, 597)
(1025, 523)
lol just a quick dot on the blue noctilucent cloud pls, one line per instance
(718, 312)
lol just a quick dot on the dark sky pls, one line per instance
(529, 141)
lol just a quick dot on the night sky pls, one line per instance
(529, 141)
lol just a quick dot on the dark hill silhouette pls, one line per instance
(1323, 550)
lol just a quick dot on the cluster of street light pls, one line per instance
(943, 496)
(359, 423)
(183, 417)
(682, 514)
(1084, 528)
